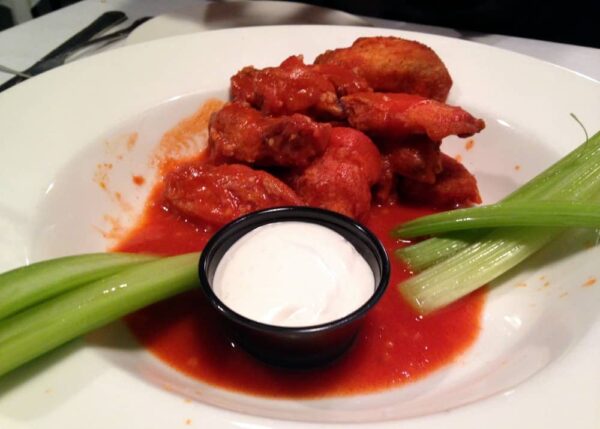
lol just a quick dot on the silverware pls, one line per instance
(13, 71)
(103, 22)
(61, 58)
(106, 39)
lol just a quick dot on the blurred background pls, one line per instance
(574, 22)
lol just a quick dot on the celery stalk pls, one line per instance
(473, 267)
(424, 254)
(526, 213)
(26, 286)
(546, 185)
(501, 249)
(52, 323)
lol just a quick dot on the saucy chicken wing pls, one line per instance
(238, 133)
(416, 158)
(222, 193)
(294, 87)
(454, 187)
(392, 64)
(341, 179)
(400, 115)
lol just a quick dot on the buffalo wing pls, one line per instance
(417, 158)
(454, 187)
(238, 133)
(294, 87)
(392, 64)
(402, 115)
(341, 179)
(220, 194)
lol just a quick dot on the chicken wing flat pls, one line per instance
(341, 179)
(454, 187)
(401, 115)
(294, 87)
(392, 64)
(238, 133)
(220, 194)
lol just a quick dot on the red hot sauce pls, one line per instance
(395, 345)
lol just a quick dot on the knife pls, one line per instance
(107, 39)
(103, 22)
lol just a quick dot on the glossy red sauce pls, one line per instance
(395, 346)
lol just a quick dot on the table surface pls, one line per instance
(24, 44)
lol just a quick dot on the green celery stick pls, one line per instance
(41, 328)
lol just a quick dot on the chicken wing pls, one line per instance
(400, 115)
(417, 158)
(454, 187)
(238, 133)
(341, 179)
(294, 87)
(392, 64)
(220, 194)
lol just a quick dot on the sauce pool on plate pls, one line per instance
(395, 345)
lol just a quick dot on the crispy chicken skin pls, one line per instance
(392, 64)
(238, 133)
(294, 87)
(454, 187)
(401, 115)
(341, 179)
(220, 194)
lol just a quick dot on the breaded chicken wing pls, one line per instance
(238, 133)
(220, 194)
(392, 64)
(401, 115)
(294, 87)
(341, 179)
(454, 187)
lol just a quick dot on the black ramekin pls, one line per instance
(305, 346)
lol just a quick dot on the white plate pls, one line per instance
(535, 363)
(234, 14)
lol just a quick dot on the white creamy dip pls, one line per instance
(293, 274)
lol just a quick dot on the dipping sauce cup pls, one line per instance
(295, 346)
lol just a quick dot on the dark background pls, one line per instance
(576, 21)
